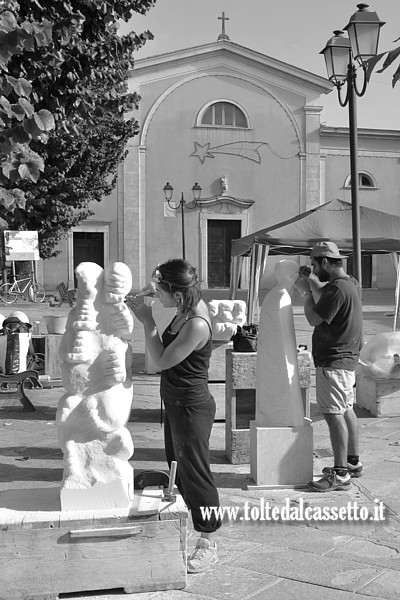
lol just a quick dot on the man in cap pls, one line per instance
(332, 305)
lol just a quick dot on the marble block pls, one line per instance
(281, 456)
(225, 316)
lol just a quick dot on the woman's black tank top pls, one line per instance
(186, 381)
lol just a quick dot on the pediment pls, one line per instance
(226, 52)
(225, 204)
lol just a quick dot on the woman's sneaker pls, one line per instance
(354, 470)
(202, 557)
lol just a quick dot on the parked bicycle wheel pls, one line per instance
(6, 294)
(36, 292)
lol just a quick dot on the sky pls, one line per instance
(291, 31)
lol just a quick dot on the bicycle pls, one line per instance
(9, 292)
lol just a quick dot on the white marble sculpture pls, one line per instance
(380, 357)
(226, 315)
(278, 394)
(224, 185)
(96, 362)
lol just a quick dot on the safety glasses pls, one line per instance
(158, 278)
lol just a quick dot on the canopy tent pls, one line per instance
(379, 232)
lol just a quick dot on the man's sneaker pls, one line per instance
(331, 482)
(202, 557)
(354, 470)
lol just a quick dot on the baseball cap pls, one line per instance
(326, 250)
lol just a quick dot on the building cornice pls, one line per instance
(343, 132)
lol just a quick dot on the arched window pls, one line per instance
(365, 180)
(224, 114)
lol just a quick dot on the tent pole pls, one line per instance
(236, 268)
(259, 253)
(396, 255)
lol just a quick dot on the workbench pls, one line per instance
(46, 552)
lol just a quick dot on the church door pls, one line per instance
(366, 269)
(220, 233)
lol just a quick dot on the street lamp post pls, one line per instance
(343, 55)
(168, 192)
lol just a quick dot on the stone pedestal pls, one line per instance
(240, 399)
(217, 368)
(381, 397)
(216, 376)
(281, 456)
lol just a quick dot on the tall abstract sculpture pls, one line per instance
(96, 362)
(281, 439)
(279, 402)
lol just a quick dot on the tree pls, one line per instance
(82, 72)
(19, 122)
(390, 57)
(67, 57)
(80, 169)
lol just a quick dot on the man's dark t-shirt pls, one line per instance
(337, 341)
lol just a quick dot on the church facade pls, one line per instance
(246, 129)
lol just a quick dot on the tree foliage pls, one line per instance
(81, 73)
(63, 86)
(19, 121)
(80, 169)
(62, 63)
(389, 56)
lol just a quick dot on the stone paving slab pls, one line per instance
(230, 582)
(386, 469)
(287, 589)
(307, 567)
(295, 536)
(369, 552)
(118, 594)
(387, 586)
(373, 454)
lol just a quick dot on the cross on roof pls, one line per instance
(223, 35)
